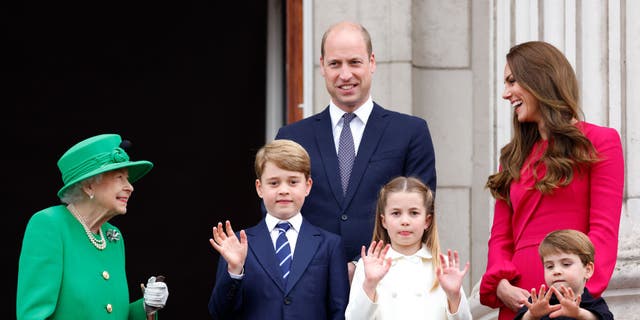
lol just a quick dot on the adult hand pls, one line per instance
(511, 295)
(450, 277)
(233, 251)
(155, 294)
(376, 266)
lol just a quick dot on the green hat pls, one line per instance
(96, 155)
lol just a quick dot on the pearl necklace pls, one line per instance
(99, 244)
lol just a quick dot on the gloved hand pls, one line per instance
(155, 294)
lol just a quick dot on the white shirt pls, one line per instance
(404, 292)
(292, 233)
(357, 124)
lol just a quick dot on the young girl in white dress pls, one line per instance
(403, 274)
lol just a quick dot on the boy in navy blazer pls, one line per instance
(249, 281)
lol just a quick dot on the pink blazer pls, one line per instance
(591, 203)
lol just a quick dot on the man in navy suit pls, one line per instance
(284, 267)
(387, 143)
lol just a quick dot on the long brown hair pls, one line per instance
(430, 236)
(545, 72)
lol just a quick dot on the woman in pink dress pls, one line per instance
(557, 172)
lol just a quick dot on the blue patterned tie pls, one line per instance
(283, 250)
(346, 151)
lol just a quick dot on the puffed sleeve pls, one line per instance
(606, 191)
(501, 247)
(360, 306)
(464, 311)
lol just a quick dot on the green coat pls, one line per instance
(61, 275)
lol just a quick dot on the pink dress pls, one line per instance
(591, 203)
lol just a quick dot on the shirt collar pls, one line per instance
(422, 254)
(363, 112)
(296, 221)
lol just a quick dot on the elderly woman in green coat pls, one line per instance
(72, 262)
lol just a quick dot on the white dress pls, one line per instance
(404, 292)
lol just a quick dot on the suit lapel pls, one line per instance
(326, 145)
(261, 246)
(374, 130)
(306, 247)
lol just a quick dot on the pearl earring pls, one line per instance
(91, 197)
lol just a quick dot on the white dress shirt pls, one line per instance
(292, 235)
(404, 292)
(357, 124)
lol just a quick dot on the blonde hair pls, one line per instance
(430, 235)
(568, 241)
(286, 155)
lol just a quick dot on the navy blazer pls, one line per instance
(393, 144)
(317, 287)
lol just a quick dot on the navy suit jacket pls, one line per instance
(393, 144)
(317, 287)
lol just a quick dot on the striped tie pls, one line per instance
(283, 250)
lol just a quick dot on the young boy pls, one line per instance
(568, 259)
(284, 267)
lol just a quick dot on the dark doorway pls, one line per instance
(180, 81)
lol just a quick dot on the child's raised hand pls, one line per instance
(539, 305)
(375, 264)
(233, 251)
(450, 277)
(569, 302)
(449, 274)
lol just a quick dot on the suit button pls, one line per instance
(287, 300)
(105, 275)
(344, 217)
(109, 308)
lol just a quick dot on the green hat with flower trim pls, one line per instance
(96, 155)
